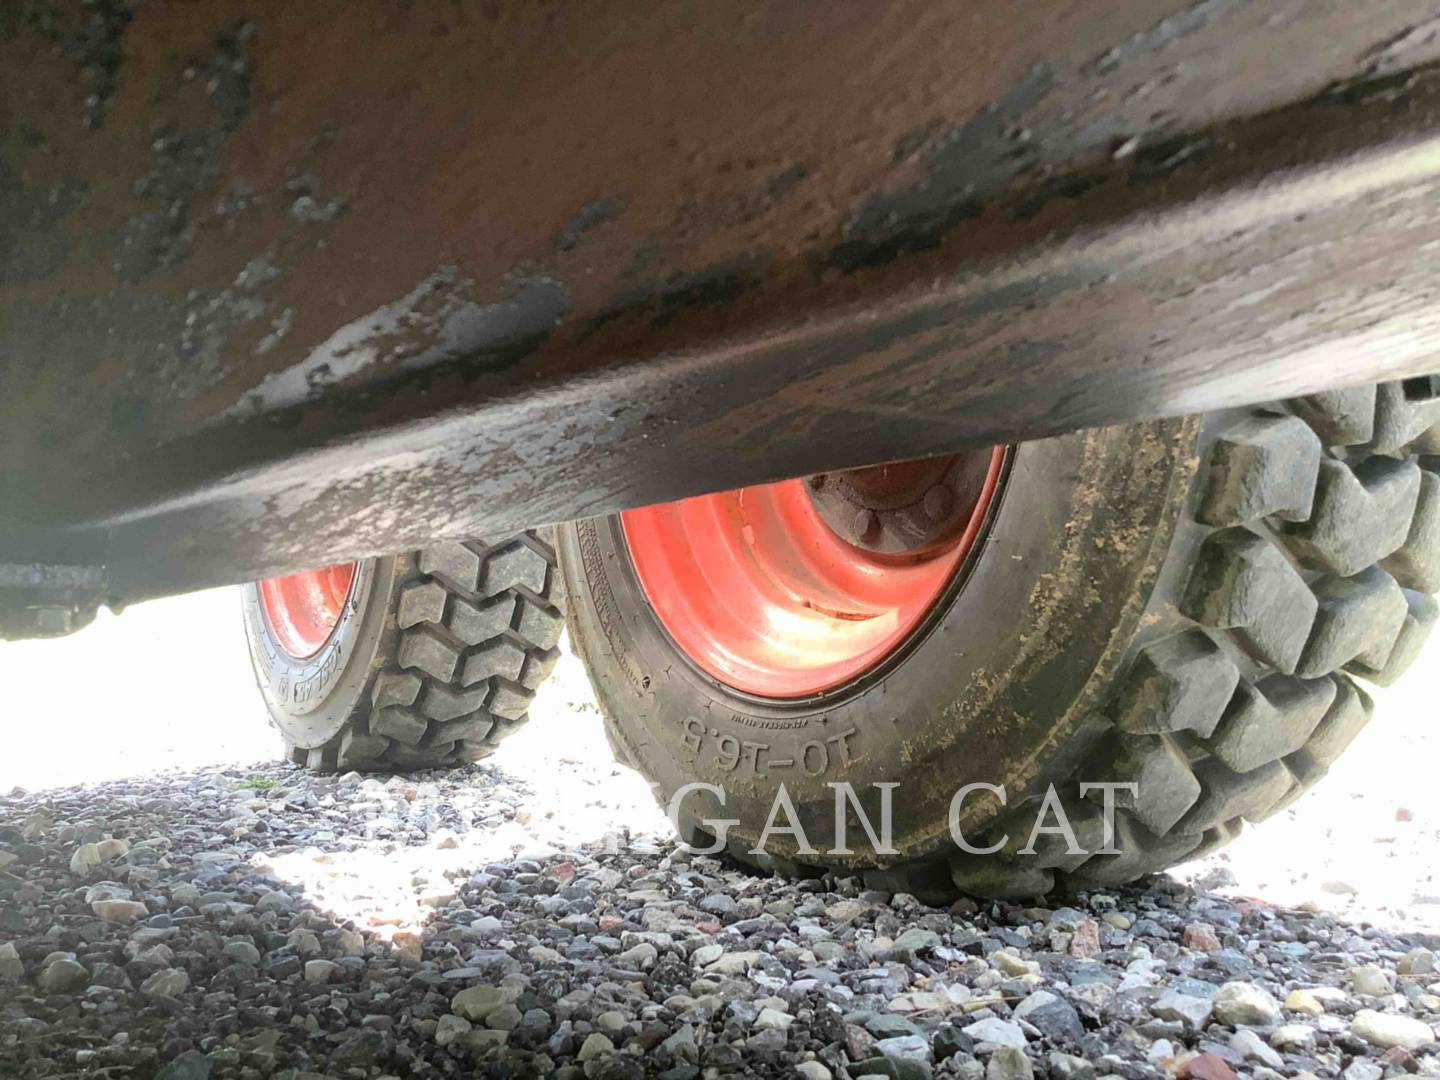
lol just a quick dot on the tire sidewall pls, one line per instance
(994, 689)
(311, 699)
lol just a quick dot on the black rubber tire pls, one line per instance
(1182, 604)
(435, 659)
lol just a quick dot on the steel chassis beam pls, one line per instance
(236, 340)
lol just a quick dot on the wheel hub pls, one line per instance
(793, 589)
(302, 610)
(903, 508)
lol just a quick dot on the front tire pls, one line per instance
(1183, 605)
(435, 658)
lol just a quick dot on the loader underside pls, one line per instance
(268, 272)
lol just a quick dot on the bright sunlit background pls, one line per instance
(167, 686)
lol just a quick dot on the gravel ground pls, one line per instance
(532, 916)
(246, 923)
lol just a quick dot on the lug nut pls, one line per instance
(867, 525)
(938, 501)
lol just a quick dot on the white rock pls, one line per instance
(642, 956)
(1008, 1063)
(1010, 964)
(1304, 1002)
(242, 951)
(184, 894)
(611, 1023)
(449, 1028)
(486, 925)
(305, 942)
(997, 1032)
(1369, 980)
(1360, 1069)
(275, 901)
(158, 955)
(1068, 1066)
(112, 849)
(706, 955)
(1193, 1012)
(911, 1047)
(12, 968)
(85, 860)
(1250, 1045)
(475, 1003)
(1238, 1003)
(320, 972)
(120, 912)
(108, 890)
(480, 1041)
(61, 973)
(594, 1045)
(1093, 996)
(350, 943)
(812, 1070)
(1387, 1029)
(505, 1018)
(735, 963)
(681, 1046)
(1293, 1037)
(6, 858)
(847, 911)
(172, 982)
(773, 1020)
(1144, 970)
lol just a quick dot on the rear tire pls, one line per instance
(436, 658)
(1185, 605)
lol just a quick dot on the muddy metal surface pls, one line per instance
(265, 267)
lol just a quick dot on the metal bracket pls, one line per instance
(48, 599)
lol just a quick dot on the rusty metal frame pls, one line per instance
(234, 342)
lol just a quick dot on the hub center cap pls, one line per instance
(903, 508)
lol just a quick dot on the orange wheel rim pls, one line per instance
(762, 594)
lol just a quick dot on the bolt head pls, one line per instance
(938, 501)
(867, 525)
